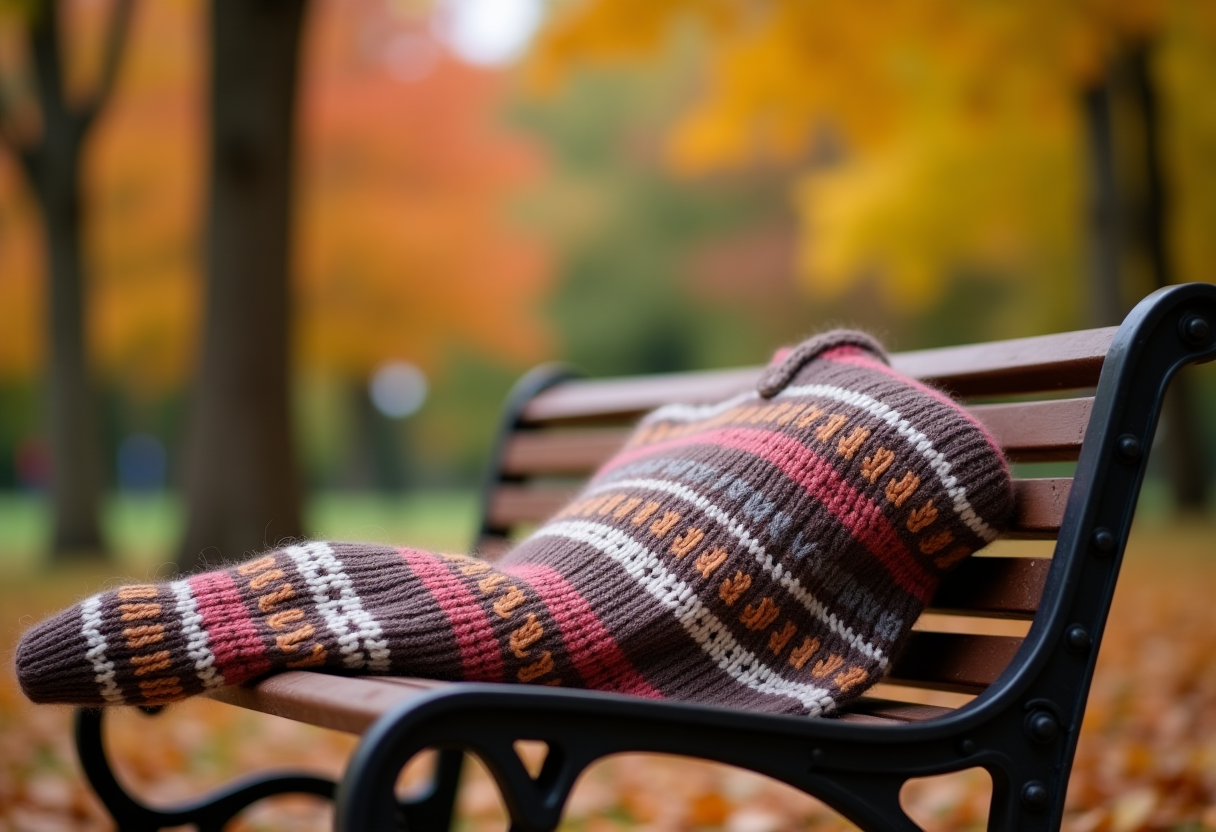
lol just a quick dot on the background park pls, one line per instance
(269, 269)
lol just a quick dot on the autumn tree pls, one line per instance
(242, 486)
(408, 244)
(943, 141)
(46, 132)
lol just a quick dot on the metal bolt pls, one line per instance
(1042, 727)
(816, 757)
(1034, 796)
(1194, 330)
(966, 748)
(1077, 638)
(1103, 541)
(1128, 447)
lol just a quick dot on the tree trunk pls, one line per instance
(1183, 440)
(75, 439)
(242, 483)
(1129, 210)
(53, 168)
(1106, 307)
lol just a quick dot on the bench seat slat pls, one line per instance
(352, 703)
(1039, 504)
(999, 587)
(1038, 431)
(342, 703)
(561, 452)
(948, 661)
(869, 709)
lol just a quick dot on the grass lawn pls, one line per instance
(142, 531)
(1147, 758)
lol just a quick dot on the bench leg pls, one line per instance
(209, 813)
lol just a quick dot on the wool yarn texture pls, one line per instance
(770, 552)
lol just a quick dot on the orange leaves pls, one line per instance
(405, 238)
(405, 243)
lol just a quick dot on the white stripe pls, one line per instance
(693, 412)
(774, 570)
(103, 668)
(359, 636)
(917, 440)
(646, 568)
(196, 637)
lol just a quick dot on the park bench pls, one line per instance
(1012, 636)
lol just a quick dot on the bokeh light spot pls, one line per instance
(398, 389)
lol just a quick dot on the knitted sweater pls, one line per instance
(768, 552)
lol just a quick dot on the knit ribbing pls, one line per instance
(770, 552)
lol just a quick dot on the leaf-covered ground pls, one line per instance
(1147, 757)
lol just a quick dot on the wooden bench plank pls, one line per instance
(1038, 431)
(999, 587)
(342, 703)
(1023, 365)
(619, 398)
(948, 661)
(561, 452)
(873, 709)
(1064, 361)
(1028, 431)
(1039, 504)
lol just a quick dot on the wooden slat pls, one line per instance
(1028, 431)
(561, 452)
(492, 548)
(515, 504)
(1064, 361)
(1023, 365)
(624, 397)
(343, 703)
(875, 710)
(1039, 504)
(1038, 431)
(946, 661)
(1000, 587)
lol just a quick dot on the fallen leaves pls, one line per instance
(1146, 760)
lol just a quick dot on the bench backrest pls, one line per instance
(1037, 397)
(1034, 394)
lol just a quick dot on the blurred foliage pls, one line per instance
(405, 246)
(940, 141)
(698, 182)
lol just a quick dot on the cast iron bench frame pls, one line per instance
(1021, 726)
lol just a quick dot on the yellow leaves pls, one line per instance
(958, 142)
(952, 194)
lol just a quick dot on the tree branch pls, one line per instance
(112, 52)
(10, 138)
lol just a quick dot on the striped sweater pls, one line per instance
(769, 552)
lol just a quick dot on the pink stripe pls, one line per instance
(480, 655)
(860, 358)
(864, 520)
(240, 653)
(595, 653)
